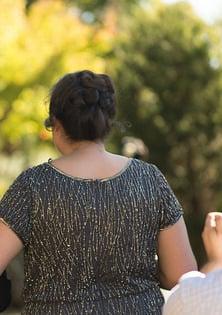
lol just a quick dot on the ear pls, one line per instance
(57, 125)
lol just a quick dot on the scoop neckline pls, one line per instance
(105, 179)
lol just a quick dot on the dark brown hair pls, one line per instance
(84, 103)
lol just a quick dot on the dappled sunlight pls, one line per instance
(166, 63)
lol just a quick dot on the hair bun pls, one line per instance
(97, 89)
(101, 82)
(84, 103)
(91, 96)
(86, 80)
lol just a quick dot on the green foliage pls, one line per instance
(169, 90)
(94, 11)
(99, 5)
(167, 67)
(36, 50)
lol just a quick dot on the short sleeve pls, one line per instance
(15, 207)
(170, 208)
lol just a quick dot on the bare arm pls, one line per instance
(180, 297)
(10, 246)
(175, 254)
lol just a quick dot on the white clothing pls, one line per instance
(196, 294)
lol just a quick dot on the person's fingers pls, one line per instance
(212, 236)
(210, 221)
(218, 220)
(209, 226)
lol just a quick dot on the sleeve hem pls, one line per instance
(174, 221)
(13, 230)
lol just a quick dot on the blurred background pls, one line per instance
(165, 58)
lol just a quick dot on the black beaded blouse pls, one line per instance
(90, 246)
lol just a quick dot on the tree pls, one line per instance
(35, 50)
(93, 11)
(169, 90)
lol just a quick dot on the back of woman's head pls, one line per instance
(84, 103)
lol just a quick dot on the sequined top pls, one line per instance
(90, 246)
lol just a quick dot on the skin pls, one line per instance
(212, 238)
(88, 159)
(175, 254)
(10, 246)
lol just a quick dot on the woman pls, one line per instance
(92, 223)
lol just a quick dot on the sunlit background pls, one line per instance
(165, 59)
(209, 10)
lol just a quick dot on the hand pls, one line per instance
(212, 237)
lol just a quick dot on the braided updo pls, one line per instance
(84, 103)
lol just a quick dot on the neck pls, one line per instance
(83, 147)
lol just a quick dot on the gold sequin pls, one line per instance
(90, 245)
